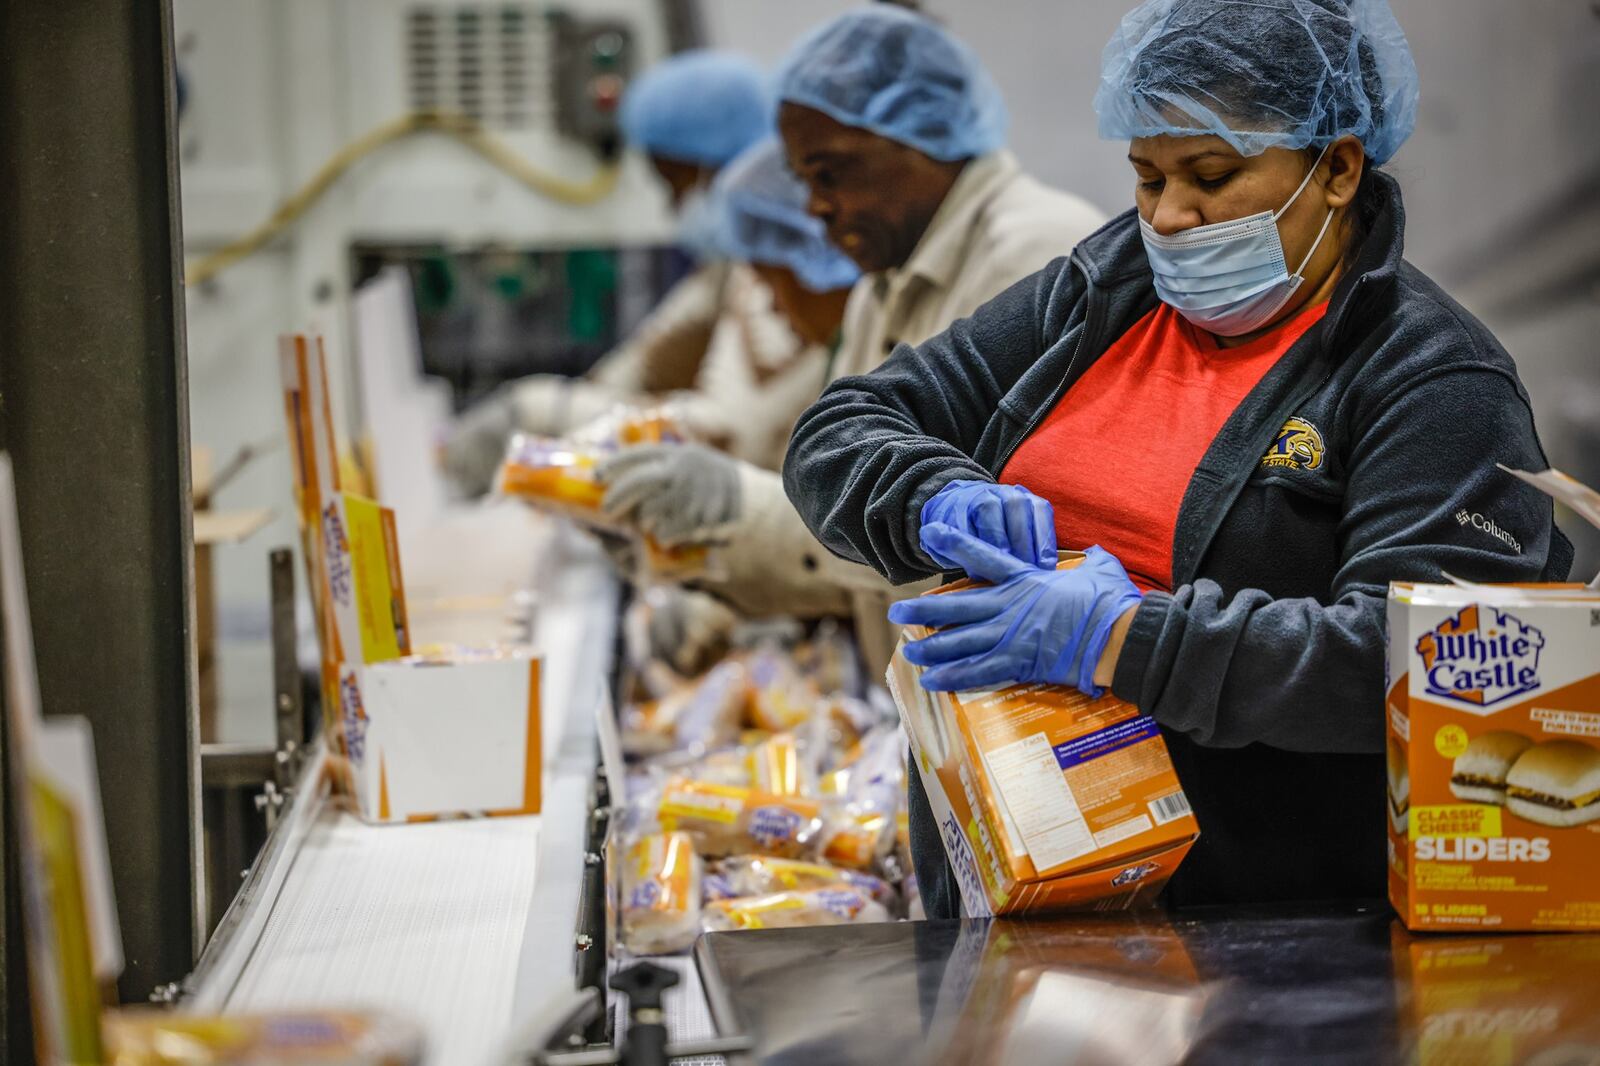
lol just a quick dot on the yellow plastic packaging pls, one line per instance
(782, 699)
(763, 875)
(724, 819)
(838, 904)
(776, 765)
(561, 477)
(661, 891)
(857, 838)
(324, 1038)
(697, 717)
(553, 475)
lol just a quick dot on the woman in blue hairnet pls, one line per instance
(1245, 405)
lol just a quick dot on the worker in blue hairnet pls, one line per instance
(682, 493)
(1248, 410)
(690, 114)
(898, 133)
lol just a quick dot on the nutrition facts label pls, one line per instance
(1041, 805)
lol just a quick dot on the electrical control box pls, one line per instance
(594, 61)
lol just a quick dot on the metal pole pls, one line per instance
(94, 389)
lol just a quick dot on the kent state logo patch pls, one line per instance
(1298, 445)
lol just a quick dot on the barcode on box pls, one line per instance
(1170, 807)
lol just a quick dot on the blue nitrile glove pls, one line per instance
(1030, 625)
(1007, 516)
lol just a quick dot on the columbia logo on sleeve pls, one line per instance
(1487, 525)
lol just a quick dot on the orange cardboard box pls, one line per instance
(1494, 757)
(1046, 798)
(1493, 716)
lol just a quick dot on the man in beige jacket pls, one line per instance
(898, 133)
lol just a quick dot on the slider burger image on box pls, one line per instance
(1399, 787)
(1556, 783)
(1479, 773)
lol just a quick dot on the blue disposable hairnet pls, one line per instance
(761, 213)
(885, 69)
(702, 107)
(1260, 74)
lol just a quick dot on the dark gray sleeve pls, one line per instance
(867, 455)
(1308, 676)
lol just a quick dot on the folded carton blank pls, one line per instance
(431, 739)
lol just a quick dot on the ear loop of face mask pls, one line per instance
(1326, 221)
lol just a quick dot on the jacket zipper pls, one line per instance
(1236, 480)
(1092, 305)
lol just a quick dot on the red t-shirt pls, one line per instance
(1115, 455)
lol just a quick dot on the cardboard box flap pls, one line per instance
(1567, 592)
(1565, 489)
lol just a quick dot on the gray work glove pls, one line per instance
(675, 493)
(477, 444)
(685, 629)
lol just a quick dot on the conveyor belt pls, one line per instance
(462, 926)
(421, 920)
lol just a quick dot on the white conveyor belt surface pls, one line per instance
(457, 926)
(420, 920)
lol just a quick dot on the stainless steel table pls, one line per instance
(1331, 984)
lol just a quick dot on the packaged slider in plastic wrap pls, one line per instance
(841, 723)
(697, 718)
(762, 875)
(328, 1038)
(554, 475)
(561, 477)
(717, 885)
(778, 766)
(838, 904)
(859, 825)
(661, 893)
(725, 819)
(857, 837)
(782, 698)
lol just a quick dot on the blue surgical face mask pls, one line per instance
(1228, 278)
